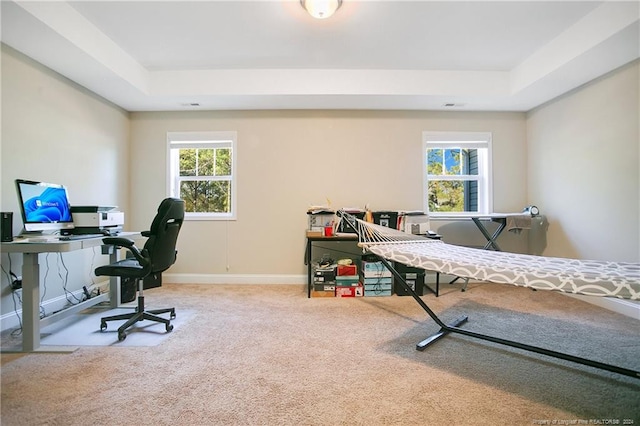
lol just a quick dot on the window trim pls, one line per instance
(475, 140)
(221, 139)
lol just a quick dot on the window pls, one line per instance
(202, 171)
(457, 172)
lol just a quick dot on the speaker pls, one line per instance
(6, 226)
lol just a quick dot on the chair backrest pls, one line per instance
(160, 246)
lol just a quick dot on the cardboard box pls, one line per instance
(347, 280)
(374, 270)
(315, 234)
(351, 291)
(325, 286)
(377, 280)
(379, 287)
(320, 220)
(377, 293)
(344, 227)
(416, 284)
(324, 275)
(386, 218)
(347, 270)
(414, 223)
(315, 293)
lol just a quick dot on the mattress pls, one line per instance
(587, 277)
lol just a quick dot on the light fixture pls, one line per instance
(321, 9)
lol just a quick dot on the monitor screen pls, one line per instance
(44, 206)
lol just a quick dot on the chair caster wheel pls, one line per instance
(169, 327)
(121, 336)
(103, 326)
(173, 315)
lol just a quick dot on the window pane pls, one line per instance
(452, 161)
(205, 162)
(223, 162)
(470, 162)
(206, 196)
(448, 196)
(458, 172)
(434, 161)
(188, 162)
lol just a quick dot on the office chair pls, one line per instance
(158, 254)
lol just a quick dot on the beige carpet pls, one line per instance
(267, 355)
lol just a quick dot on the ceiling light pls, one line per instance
(321, 9)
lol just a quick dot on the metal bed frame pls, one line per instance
(454, 327)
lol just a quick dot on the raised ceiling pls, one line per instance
(372, 54)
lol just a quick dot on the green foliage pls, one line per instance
(445, 195)
(206, 196)
(203, 194)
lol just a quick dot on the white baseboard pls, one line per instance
(10, 320)
(234, 279)
(625, 307)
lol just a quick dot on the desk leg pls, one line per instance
(308, 260)
(114, 282)
(30, 302)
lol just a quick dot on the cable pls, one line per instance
(17, 331)
(14, 294)
(92, 266)
(65, 280)
(43, 313)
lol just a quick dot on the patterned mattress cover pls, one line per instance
(588, 277)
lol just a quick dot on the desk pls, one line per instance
(31, 322)
(308, 257)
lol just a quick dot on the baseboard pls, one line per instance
(625, 307)
(10, 320)
(233, 279)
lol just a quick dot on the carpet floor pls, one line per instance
(267, 355)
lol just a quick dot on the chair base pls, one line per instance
(139, 315)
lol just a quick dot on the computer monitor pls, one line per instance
(44, 206)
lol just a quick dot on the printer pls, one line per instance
(96, 220)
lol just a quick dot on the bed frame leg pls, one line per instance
(440, 334)
(446, 329)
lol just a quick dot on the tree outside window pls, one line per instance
(202, 173)
(457, 172)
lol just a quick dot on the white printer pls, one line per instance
(96, 220)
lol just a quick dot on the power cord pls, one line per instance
(16, 284)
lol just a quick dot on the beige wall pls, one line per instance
(289, 160)
(55, 131)
(583, 152)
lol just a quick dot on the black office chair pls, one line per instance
(158, 254)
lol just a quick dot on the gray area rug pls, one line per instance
(83, 329)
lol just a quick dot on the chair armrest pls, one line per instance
(145, 233)
(130, 245)
(119, 241)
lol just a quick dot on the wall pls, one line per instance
(583, 151)
(289, 160)
(55, 131)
